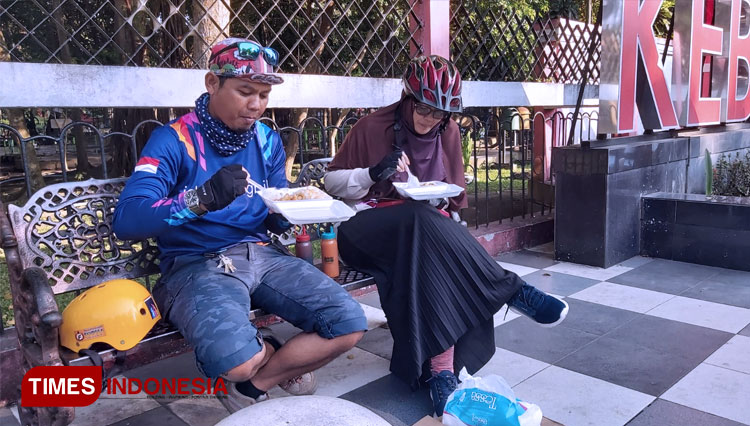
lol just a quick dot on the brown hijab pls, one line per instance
(373, 137)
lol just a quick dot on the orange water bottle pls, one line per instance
(330, 253)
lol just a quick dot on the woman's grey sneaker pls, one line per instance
(546, 310)
(235, 401)
(441, 386)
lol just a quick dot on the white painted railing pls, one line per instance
(26, 85)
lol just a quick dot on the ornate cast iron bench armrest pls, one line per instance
(34, 282)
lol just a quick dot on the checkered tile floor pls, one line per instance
(647, 342)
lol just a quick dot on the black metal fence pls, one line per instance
(373, 38)
(497, 148)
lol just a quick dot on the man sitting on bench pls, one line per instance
(190, 191)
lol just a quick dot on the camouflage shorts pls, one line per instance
(210, 306)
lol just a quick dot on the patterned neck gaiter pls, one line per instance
(225, 140)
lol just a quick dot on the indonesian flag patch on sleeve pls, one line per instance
(147, 164)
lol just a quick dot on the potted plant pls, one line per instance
(708, 229)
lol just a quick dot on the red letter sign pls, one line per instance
(692, 39)
(629, 44)
(738, 105)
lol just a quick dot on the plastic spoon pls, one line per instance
(412, 181)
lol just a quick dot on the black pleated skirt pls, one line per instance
(438, 287)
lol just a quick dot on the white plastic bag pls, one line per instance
(488, 401)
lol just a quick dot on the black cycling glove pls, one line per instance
(386, 167)
(223, 187)
(276, 223)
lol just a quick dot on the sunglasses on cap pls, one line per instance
(425, 110)
(250, 50)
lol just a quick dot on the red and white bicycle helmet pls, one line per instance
(435, 81)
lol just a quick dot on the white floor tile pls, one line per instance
(520, 270)
(375, 316)
(572, 398)
(622, 297)
(500, 317)
(199, 411)
(705, 314)
(586, 271)
(513, 367)
(111, 408)
(734, 355)
(715, 390)
(349, 371)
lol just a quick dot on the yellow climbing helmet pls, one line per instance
(118, 312)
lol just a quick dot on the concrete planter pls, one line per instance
(693, 228)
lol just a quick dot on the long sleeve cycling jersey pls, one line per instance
(177, 157)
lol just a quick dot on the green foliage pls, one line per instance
(466, 150)
(661, 25)
(6, 302)
(492, 179)
(528, 8)
(709, 175)
(564, 8)
(732, 177)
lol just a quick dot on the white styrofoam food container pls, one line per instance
(428, 190)
(321, 209)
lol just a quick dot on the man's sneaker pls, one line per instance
(547, 310)
(235, 400)
(441, 386)
(305, 384)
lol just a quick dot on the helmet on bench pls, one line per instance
(118, 312)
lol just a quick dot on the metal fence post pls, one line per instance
(434, 36)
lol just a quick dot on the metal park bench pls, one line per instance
(61, 242)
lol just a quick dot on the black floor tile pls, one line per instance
(671, 336)
(558, 283)
(595, 318)
(525, 337)
(665, 413)
(639, 368)
(648, 354)
(393, 400)
(729, 276)
(722, 291)
(157, 417)
(636, 262)
(666, 276)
